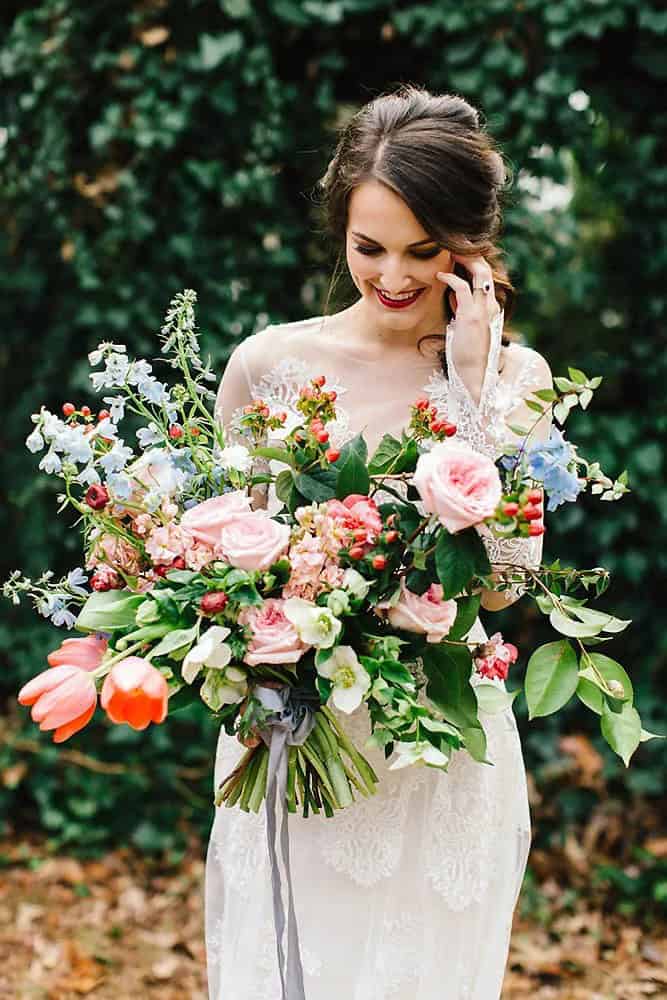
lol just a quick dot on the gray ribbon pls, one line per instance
(290, 724)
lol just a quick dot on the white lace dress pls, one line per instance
(409, 893)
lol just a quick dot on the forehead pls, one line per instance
(378, 212)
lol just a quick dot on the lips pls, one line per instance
(397, 303)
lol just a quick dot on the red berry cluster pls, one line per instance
(257, 417)
(317, 406)
(358, 550)
(527, 508)
(70, 410)
(178, 562)
(424, 421)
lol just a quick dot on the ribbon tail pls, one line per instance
(276, 753)
(295, 985)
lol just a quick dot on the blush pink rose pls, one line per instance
(425, 613)
(274, 637)
(253, 541)
(458, 484)
(357, 511)
(206, 521)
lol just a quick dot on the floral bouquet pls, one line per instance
(281, 624)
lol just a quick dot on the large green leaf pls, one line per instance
(458, 558)
(317, 486)
(589, 688)
(551, 678)
(108, 610)
(467, 611)
(448, 669)
(622, 730)
(352, 474)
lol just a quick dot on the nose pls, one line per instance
(393, 281)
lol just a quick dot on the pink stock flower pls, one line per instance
(253, 541)
(274, 639)
(204, 522)
(116, 552)
(86, 652)
(492, 659)
(166, 542)
(458, 484)
(62, 698)
(135, 692)
(425, 613)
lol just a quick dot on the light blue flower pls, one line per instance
(48, 604)
(116, 406)
(546, 454)
(153, 391)
(34, 442)
(50, 463)
(63, 617)
(561, 485)
(117, 458)
(147, 436)
(76, 578)
(120, 485)
(114, 375)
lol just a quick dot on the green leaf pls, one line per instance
(284, 486)
(317, 486)
(577, 376)
(571, 628)
(645, 735)
(590, 690)
(438, 726)
(551, 678)
(474, 738)
(385, 453)
(621, 730)
(352, 474)
(532, 405)
(493, 699)
(175, 641)
(546, 394)
(395, 672)
(448, 669)
(458, 558)
(108, 610)
(517, 429)
(468, 609)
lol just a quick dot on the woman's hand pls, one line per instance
(473, 311)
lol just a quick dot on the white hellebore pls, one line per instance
(316, 626)
(210, 651)
(350, 680)
(419, 752)
(355, 583)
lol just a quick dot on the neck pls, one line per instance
(387, 338)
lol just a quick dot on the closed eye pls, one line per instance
(423, 255)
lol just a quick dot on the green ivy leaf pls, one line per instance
(352, 474)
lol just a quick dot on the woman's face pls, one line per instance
(388, 251)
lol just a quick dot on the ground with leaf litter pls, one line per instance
(122, 927)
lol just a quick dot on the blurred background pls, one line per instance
(154, 146)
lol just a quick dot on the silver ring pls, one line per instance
(484, 287)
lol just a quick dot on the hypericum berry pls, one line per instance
(178, 562)
(391, 536)
(97, 497)
(536, 529)
(511, 509)
(320, 380)
(265, 411)
(379, 561)
(449, 428)
(248, 408)
(103, 414)
(85, 410)
(322, 436)
(332, 395)
(391, 519)
(422, 403)
(214, 602)
(69, 409)
(175, 432)
(99, 582)
(195, 431)
(531, 513)
(282, 416)
(359, 534)
(356, 552)
(316, 425)
(160, 569)
(332, 455)
(535, 496)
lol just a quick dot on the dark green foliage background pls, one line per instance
(138, 162)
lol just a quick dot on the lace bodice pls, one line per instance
(485, 424)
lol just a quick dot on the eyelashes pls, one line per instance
(371, 251)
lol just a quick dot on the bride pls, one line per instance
(412, 891)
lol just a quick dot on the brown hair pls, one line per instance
(432, 151)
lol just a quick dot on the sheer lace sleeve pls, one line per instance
(486, 426)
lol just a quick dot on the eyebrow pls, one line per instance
(418, 244)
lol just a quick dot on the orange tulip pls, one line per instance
(62, 698)
(135, 692)
(86, 652)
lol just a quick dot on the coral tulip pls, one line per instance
(134, 691)
(86, 652)
(62, 698)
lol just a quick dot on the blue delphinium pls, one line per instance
(549, 462)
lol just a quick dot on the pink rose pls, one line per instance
(424, 613)
(254, 541)
(274, 637)
(206, 521)
(458, 484)
(357, 511)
